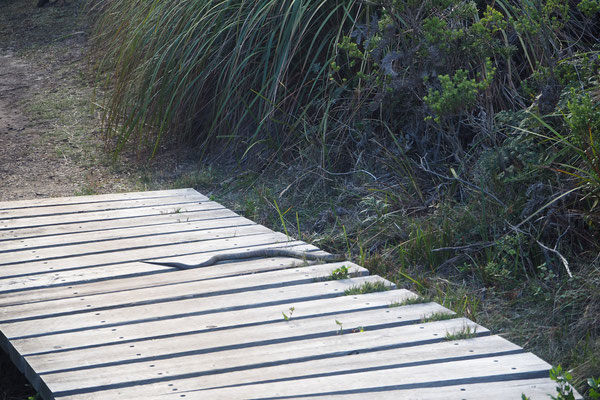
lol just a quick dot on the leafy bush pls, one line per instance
(456, 63)
(414, 61)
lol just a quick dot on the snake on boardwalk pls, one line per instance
(265, 253)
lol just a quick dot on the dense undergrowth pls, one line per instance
(451, 146)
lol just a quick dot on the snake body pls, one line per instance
(253, 254)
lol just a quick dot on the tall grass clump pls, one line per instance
(205, 71)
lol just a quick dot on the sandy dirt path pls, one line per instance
(50, 135)
(27, 168)
(44, 153)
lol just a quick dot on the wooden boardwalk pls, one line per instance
(84, 317)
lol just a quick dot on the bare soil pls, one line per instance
(28, 165)
(50, 142)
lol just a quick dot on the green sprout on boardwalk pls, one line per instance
(339, 273)
(286, 316)
(341, 325)
(409, 301)
(438, 316)
(466, 332)
(367, 287)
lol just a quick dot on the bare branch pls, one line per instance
(350, 172)
(562, 258)
(469, 247)
(543, 246)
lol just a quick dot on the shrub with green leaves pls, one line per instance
(456, 93)
(455, 64)
(418, 61)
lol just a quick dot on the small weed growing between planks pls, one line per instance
(341, 325)
(465, 333)
(339, 273)
(286, 316)
(367, 287)
(438, 316)
(409, 301)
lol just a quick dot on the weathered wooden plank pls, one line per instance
(295, 373)
(394, 368)
(51, 222)
(88, 326)
(370, 383)
(216, 332)
(219, 270)
(85, 355)
(15, 286)
(161, 248)
(112, 344)
(46, 202)
(120, 237)
(60, 211)
(225, 359)
(67, 370)
(172, 292)
(68, 272)
(156, 217)
(535, 389)
(227, 233)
